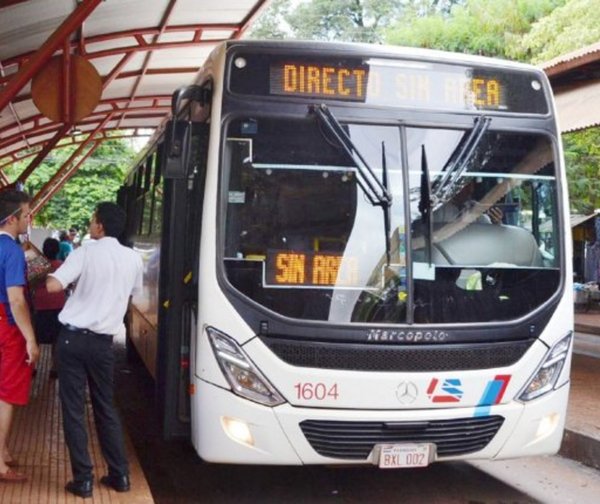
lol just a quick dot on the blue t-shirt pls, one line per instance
(12, 269)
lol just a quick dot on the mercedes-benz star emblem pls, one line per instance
(407, 392)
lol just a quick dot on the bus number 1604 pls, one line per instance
(308, 391)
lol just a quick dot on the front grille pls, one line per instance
(355, 440)
(369, 357)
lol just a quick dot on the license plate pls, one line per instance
(405, 455)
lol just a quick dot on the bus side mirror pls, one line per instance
(178, 148)
(179, 131)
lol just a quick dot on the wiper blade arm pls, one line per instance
(386, 207)
(425, 204)
(457, 163)
(376, 192)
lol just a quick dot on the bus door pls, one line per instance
(184, 173)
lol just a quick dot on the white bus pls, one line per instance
(356, 255)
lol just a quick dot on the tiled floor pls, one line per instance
(37, 438)
(37, 443)
(584, 402)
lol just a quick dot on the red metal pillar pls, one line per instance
(44, 53)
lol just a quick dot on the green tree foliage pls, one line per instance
(339, 20)
(582, 156)
(97, 180)
(569, 27)
(486, 27)
(271, 23)
(531, 31)
(350, 20)
(527, 30)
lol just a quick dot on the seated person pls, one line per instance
(462, 202)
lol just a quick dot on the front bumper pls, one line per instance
(532, 429)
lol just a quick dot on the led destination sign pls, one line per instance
(340, 83)
(390, 83)
(382, 84)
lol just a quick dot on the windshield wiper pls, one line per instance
(376, 191)
(457, 162)
(386, 208)
(425, 204)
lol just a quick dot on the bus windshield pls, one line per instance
(302, 237)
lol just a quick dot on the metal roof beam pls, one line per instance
(6, 3)
(45, 52)
(163, 24)
(33, 124)
(138, 35)
(17, 155)
(60, 178)
(152, 113)
(141, 48)
(65, 172)
(43, 153)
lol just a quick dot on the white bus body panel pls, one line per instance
(378, 390)
(279, 440)
(363, 396)
(367, 396)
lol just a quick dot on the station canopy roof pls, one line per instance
(575, 79)
(142, 50)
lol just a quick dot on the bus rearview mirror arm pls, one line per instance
(181, 130)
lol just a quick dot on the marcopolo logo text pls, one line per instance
(400, 336)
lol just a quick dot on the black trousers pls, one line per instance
(87, 357)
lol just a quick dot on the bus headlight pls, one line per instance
(544, 379)
(243, 376)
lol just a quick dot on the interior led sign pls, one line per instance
(311, 269)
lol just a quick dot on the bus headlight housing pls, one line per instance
(544, 379)
(243, 376)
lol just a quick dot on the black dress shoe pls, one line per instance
(118, 483)
(80, 488)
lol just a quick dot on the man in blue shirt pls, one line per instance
(18, 348)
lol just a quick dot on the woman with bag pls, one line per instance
(47, 305)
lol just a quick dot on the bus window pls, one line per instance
(148, 200)
(158, 204)
(149, 173)
(297, 217)
(493, 242)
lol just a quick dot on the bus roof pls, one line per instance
(352, 48)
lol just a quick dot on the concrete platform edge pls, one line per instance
(586, 328)
(581, 448)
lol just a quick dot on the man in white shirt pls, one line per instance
(106, 275)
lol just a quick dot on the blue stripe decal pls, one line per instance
(482, 411)
(490, 394)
